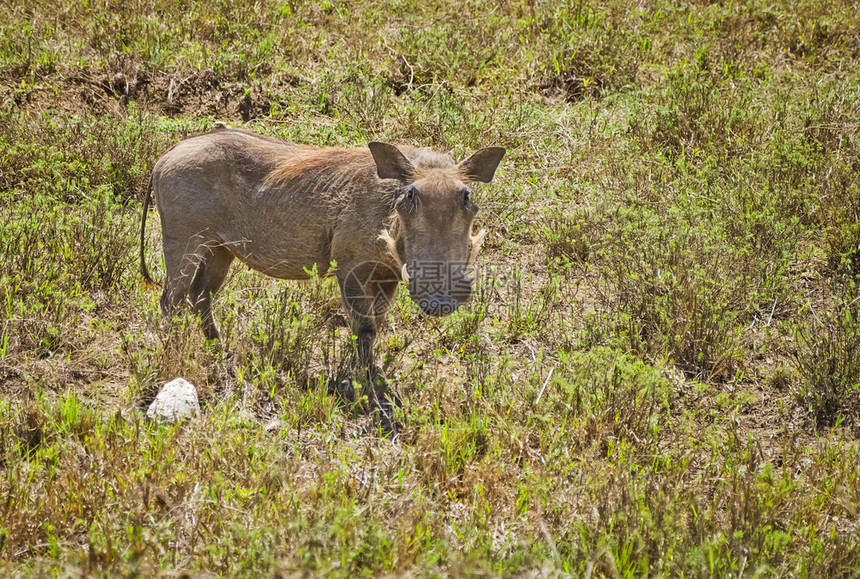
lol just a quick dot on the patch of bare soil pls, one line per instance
(198, 93)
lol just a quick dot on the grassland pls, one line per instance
(659, 373)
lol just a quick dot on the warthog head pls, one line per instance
(430, 234)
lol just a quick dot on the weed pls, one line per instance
(607, 389)
(828, 361)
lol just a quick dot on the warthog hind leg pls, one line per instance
(193, 277)
(211, 274)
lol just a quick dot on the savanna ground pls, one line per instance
(658, 373)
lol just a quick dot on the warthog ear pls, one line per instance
(390, 162)
(483, 164)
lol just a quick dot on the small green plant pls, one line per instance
(827, 359)
(612, 394)
(667, 283)
(568, 236)
(284, 333)
(844, 246)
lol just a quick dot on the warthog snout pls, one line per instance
(438, 288)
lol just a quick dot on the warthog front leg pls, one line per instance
(367, 291)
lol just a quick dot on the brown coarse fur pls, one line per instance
(305, 159)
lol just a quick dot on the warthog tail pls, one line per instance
(147, 279)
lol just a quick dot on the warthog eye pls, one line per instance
(408, 197)
(467, 200)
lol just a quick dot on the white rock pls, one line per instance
(177, 400)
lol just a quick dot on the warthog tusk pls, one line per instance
(476, 240)
(391, 244)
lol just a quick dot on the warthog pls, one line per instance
(382, 214)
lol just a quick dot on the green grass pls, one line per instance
(657, 375)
